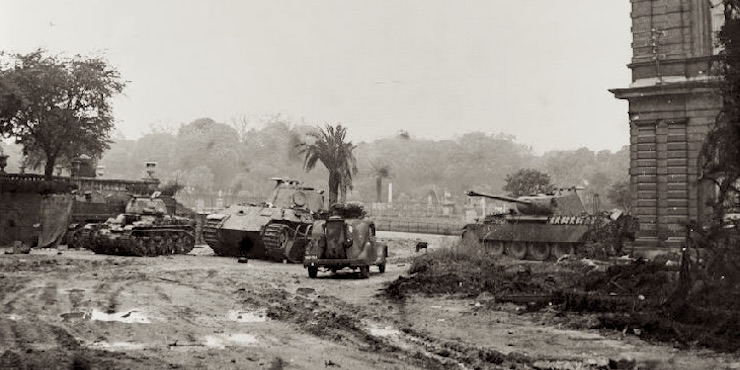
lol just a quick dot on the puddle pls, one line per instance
(229, 340)
(246, 316)
(128, 317)
(379, 331)
(71, 316)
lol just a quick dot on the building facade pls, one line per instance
(673, 101)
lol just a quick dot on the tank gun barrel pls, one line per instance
(472, 193)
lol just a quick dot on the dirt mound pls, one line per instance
(465, 271)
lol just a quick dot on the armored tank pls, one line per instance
(144, 229)
(536, 226)
(276, 229)
(345, 240)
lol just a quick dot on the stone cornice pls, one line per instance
(673, 88)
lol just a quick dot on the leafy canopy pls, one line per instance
(527, 182)
(329, 148)
(57, 108)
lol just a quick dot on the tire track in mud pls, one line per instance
(49, 294)
(333, 319)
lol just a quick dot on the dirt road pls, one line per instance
(202, 311)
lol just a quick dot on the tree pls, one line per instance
(721, 150)
(57, 107)
(380, 171)
(527, 182)
(621, 195)
(329, 148)
(211, 144)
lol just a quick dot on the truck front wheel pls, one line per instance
(381, 267)
(364, 272)
(313, 271)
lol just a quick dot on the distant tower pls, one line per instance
(673, 100)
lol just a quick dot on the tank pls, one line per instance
(277, 229)
(346, 239)
(538, 226)
(144, 229)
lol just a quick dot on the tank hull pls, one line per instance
(539, 240)
(235, 243)
(258, 232)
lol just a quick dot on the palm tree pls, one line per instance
(381, 171)
(335, 154)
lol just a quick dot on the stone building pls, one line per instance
(673, 100)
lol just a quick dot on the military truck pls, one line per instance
(346, 239)
(277, 229)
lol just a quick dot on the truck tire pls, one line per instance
(381, 267)
(313, 271)
(364, 272)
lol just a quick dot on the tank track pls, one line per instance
(210, 235)
(146, 242)
(277, 237)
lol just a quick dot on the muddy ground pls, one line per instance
(199, 311)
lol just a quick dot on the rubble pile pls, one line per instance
(634, 296)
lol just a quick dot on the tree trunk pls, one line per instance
(49, 168)
(333, 188)
(379, 189)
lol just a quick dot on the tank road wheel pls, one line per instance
(138, 246)
(561, 249)
(313, 271)
(364, 272)
(187, 243)
(168, 245)
(176, 241)
(517, 250)
(495, 247)
(539, 251)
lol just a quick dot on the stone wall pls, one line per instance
(18, 213)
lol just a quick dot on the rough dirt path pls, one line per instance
(202, 311)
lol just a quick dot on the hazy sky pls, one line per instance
(536, 69)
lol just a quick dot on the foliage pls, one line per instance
(621, 195)
(329, 148)
(527, 182)
(721, 150)
(57, 107)
(473, 161)
(216, 146)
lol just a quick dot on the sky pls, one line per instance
(536, 69)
